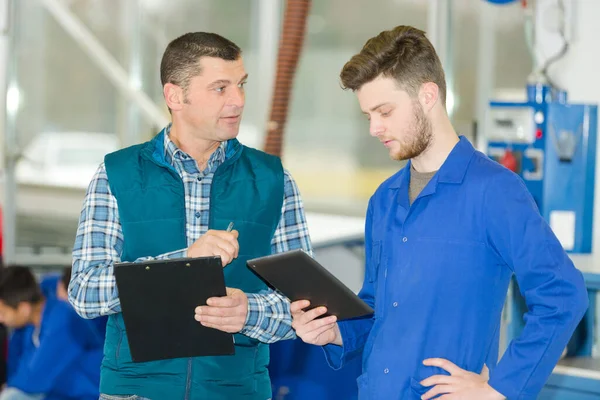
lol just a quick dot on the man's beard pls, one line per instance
(420, 136)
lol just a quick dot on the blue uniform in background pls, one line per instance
(48, 285)
(97, 326)
(437, 274)
(62, 361)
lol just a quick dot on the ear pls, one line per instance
(428, 95)
(61, 291)
(173, 96)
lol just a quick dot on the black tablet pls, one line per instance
(158, 299)
(300, 277)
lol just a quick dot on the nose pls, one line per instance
(376, 128)
(238, 97)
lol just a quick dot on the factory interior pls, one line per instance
(82, 79)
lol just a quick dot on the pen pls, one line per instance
(230, 227)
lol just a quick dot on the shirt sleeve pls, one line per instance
(98, 246)
(269, 318)
(553, 288)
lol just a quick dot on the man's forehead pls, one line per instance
(378, 92)
(210, 67)
(381, 85)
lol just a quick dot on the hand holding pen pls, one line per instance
(217, 243)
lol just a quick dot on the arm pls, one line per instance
(355, 332)
(15, 353)
(553, 288)
(58, 349)
(98, 246)
(269, 318)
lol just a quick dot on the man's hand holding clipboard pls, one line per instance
(228, 313)
(158, 296)
(309, 285)
(312, 329)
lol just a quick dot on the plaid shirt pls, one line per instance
(99, 244)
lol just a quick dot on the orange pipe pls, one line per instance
(290, 47)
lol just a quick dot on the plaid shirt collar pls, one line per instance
(175, 154)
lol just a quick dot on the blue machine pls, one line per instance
(551, 144)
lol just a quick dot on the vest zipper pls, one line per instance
(188, 383)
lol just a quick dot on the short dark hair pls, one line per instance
(66, 277)
(18, 285)
(403, 53)
(180, 62)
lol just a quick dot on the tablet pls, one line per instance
(158, 299)
(299, 277)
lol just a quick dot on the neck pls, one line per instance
(189, 141)
(443, 140)
(36, 313)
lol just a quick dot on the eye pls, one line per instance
(386, 114)
(220, 89)
(241, 85)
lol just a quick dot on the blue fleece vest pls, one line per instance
(246, 189)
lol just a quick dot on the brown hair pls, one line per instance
(18, 285)
(403, 53)
(180, 62)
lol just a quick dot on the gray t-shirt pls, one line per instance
(418, 180)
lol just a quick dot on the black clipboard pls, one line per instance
(158, 299)
(300, 277)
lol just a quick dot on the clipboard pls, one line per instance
(300, 277)
(158, 299)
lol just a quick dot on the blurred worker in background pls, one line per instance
(50, 356)
(96, 326)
